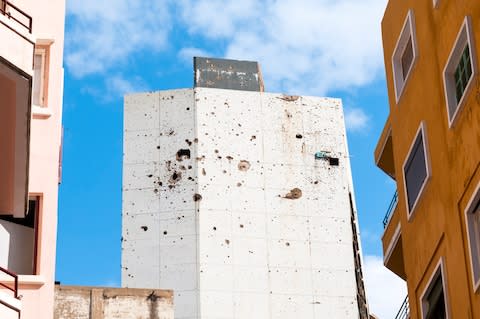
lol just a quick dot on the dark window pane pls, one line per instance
(407, 58)
(436, 301)
(463, 73)
(415, 171)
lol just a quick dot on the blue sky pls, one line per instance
(306, 47)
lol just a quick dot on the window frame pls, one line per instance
(421, 130)
(471, 209)
(43, 51)
(464, 37)
(408, 32)
(439, 270)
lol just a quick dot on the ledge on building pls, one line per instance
(384, 151)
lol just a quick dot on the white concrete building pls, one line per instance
(241, 202)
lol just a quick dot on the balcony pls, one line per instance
(384, 151)
(404, 312)
(391, 208)
(392, 239)
(17, 43)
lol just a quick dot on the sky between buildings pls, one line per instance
(305, 47)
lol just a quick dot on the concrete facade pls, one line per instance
(234, 200)
(31, 60)
(73, 302)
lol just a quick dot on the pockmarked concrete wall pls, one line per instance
(72, 302)
(239, 202)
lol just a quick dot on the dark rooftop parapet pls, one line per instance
(227, 74)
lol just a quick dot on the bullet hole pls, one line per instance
(227, 241)
(179, 217)
(188, 109)
(250, 251)
(214, 228)
(171, 132)
(155, 191)
(224, 172)
(334, 161)
(197, 197)
(241, 225)
(165, 232)
(219, 157)
(253, 138)
(239, 184)
(145, 228)
(244, 165)
(160, 183)
(190, 179)
(229, 158)
(204, 172)
(150, 176)
(158, 147)
(239, 125)
(188, 142)
(183, 154)
(316, 182)
(295, 193)
(189, 166)
(298, 136)
(182, 167)
(172, 97)
(287, 244)
(176, 176)
(171, 186)
(216, 151)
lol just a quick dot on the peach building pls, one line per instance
(31, 91)
(430, 146)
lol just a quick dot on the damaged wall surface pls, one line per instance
(239, 202)
(74, 302)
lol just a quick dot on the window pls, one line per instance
(472, 218)
(404, 55)
(40, 72)
(434, 301)
(416, 169)
(459, 71)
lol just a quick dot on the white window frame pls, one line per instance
(439, 270)
(421, 130)
(408, 32)
(473, 237)
(465, 36)
(42, 51)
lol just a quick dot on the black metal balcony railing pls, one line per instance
(404, 312)
(16, 14)
(390, 209)
(14, 289)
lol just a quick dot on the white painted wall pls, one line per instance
(242, 250)
(16, 247)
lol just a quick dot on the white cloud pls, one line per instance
(103, 34)
(385, 290)
(187, 54)
(304, 46)
(356, 120)
(118, 85)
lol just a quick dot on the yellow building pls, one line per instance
(430, 146)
